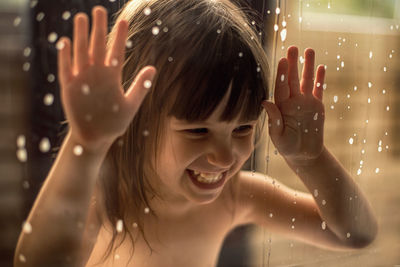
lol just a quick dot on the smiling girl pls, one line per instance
(162, 115)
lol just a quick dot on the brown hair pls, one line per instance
(199, 47)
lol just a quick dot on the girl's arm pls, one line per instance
(59, 214)
(336, 214)
(98, 111)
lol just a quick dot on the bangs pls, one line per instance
(222, 60)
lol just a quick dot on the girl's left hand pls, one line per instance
(296, 119)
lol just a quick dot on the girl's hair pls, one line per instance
(199, 48)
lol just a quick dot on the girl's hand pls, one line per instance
(296, 120)
(96, 107)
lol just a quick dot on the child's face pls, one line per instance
(197, 159)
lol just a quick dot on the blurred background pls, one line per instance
(358, 41)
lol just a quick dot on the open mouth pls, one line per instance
(207, 180)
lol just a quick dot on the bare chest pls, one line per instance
(193, 240)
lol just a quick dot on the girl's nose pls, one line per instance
(221, 155)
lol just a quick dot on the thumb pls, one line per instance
(275, 122)
(140, 87)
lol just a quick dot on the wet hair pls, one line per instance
(200, 48)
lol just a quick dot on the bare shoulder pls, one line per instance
(260, 197)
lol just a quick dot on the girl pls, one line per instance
(161, 119)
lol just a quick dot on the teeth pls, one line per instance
(208, 178)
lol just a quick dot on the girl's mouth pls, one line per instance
(207, 180)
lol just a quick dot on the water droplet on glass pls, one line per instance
(114, 62)
(370, 54)
(25, 185)
(44, 145)
(60, 45)
(155, 30)
(147, 84)
(119, 226)
(52, 37)
(85, 89)
(21, 141)
(66, 15)
(170, 59)
(369, 100)
(348, 235)
(218, 31)
(116, 256)
(351, 140)
(147, 11)
(27, 228)
(282, 78)
(17, 21)
(315, 116)
(369, 84)
(277, 10)
(324, 86)
(377, 170)
(165, 29)
(129, 44)
(27, 51)
(22, 155)
(146, 210)
(88, 117)
(323, 202)
(323, 225)
(271, 215)
(48, 99)
(146, 133)
(51, 78)
(358, 171)
(283, 35)
(284, 23)
(278, 122)
(158, 22)
(318, 84)
(301, 59)
(40, 16)
(387, 108)
(21, 258)
(240, 54)
(26, 66)
(33, 3)
(315, 192)
(115, 108)
(300, 19)
(335, 99)
(306, 130)
(135, 225)
(276, 27)
(78, 150)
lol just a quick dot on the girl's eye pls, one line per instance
(243, 130)
(197, 131)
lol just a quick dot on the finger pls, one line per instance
(282, 90)
(64, 60)
(275, 122)
(307, 81)
(293, 72)
(81, 30)
(140, 87)
(117, 53)
(319, 82)
(98, 36)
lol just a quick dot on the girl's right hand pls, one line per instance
(96, 107)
